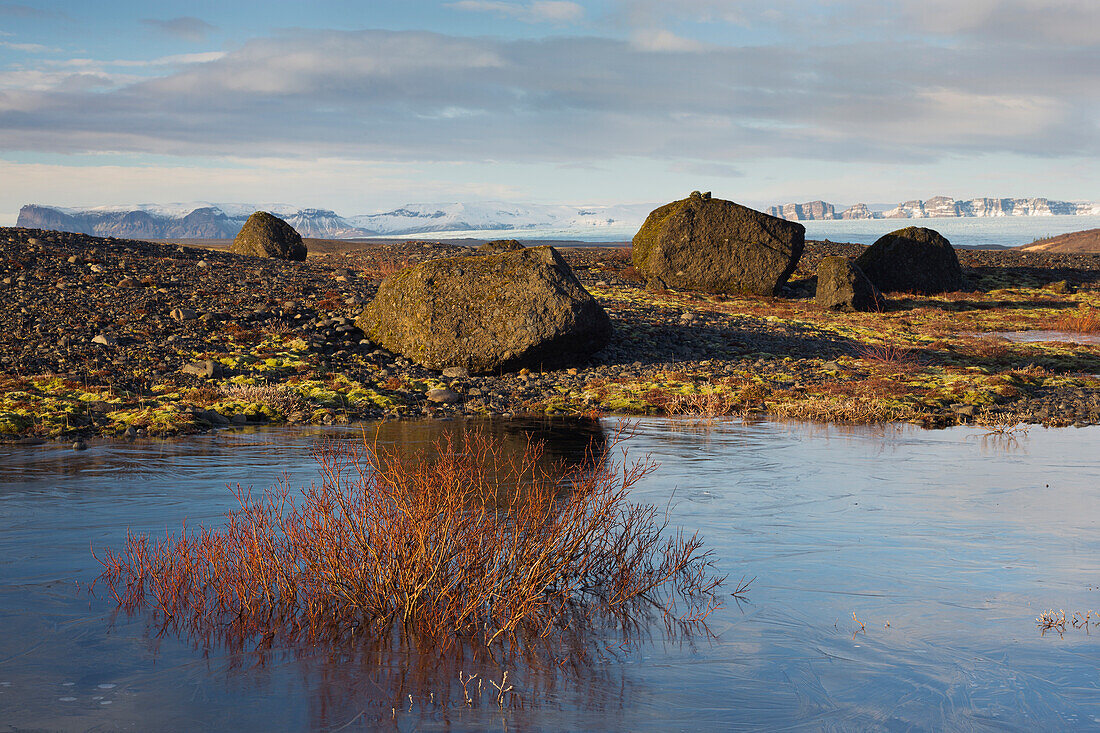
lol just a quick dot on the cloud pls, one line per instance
(417, 96)
(186, 27)
(16, 10)
(707, 168)
(28, 47)
(1036, 21)
(660, 40)
(540, 11)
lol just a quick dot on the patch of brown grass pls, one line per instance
(1082, 320)
(843, 409)
(892, 356)
(476, 542)
(278, 397)
(712, 404)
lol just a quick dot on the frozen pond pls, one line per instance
(945, 545)
(1029, 337)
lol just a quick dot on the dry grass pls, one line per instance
(1058, 621)
(1082, 320)
(441, 547)
(844, 409)
(280, 398)
(713, 404)
(893, 356)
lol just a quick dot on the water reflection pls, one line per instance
(945, 544)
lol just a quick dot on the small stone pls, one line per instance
(80, 445)
(831, 366)
(444, 396)
(456, 372)
(127, 282)
(182, 314)
(206, 368)
(239, 419)
(214, 418)
(104, 339)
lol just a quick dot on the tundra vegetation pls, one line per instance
(90, 348)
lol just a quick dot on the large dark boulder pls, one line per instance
(501, 245)
(912, 260)
(266, 235)
(488, 313)
(842, 286)
(702, 243)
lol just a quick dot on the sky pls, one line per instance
(360, 106)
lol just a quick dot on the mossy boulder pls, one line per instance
(501, 245)
(912, 260)
(488, 313)
(842, 286)
(703, 243)
(266, 235)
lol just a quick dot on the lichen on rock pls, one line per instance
(709, 244)
(266, 235)
(488, 313)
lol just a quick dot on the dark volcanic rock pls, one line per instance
(488, 313)
(841, 285)
(501, 245)
(912, 260)
(266, 235)
(700, 243)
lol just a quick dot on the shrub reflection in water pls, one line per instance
(418, 570)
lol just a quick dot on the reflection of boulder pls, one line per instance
(266, 235)
(569, 443)
(702, 243)
(912, 260)
(488, 313)
(843, 286)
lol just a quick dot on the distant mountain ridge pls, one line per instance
(203, 220)
(939, 207)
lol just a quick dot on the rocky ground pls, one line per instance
(117, 337)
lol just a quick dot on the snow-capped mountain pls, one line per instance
(530, 219)
(204, 220)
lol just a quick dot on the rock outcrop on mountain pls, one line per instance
(940, 207)
(703, 243)
(808, 211)
(945, 206)
(912, 260)
(266, 235)
(488, 313)
(859, 211)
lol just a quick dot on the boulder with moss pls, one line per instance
(488, 313)
(913, 260)
(266, 235)
(704, 243)
(501, 245)
(842, 286)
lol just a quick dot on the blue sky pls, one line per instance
(360, 106)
